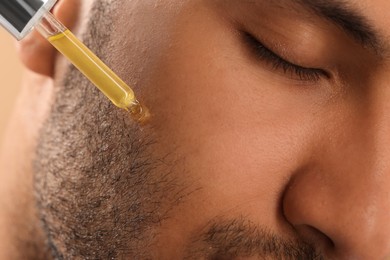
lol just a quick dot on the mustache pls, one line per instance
(241, 238)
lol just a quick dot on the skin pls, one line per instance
(240, 160)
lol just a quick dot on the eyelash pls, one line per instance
(278, 63)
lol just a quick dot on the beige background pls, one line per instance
(10, 78)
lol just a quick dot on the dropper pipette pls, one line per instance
(20, 17)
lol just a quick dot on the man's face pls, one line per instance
(268, 139)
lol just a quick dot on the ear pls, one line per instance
(35, 52)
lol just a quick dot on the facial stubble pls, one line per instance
(102, 190)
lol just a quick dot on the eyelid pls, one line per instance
(279, 63)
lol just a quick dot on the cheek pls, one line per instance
(238, 130)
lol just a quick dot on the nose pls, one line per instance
(340, 201)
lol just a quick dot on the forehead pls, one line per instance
(150, 24)
(376, 11)
(142, 31)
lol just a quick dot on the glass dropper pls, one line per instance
(91, 66)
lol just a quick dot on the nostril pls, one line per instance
(315, 237)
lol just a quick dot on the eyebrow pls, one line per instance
(348, 18)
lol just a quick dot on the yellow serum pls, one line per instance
(97, 72)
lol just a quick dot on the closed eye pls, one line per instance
(278, 63)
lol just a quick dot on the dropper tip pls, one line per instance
(138, 112)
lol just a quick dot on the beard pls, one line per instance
(101, 188)
(104, 190)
